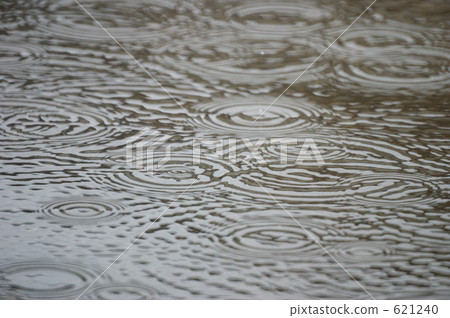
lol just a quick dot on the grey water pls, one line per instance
(375, 103)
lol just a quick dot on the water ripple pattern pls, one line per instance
(82, 210)
(67, 21)
(121, 292)
(19, 56)
(236, 115)
(375, 104)
(269, 238)
(392, 57)
(330, 145)
(292, 184)
(30, 120)
(391, 189)
(174, 176)
(360, 251)
(222, 55)
(279, 18)
(47, 280)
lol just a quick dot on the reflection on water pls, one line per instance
(376, 104)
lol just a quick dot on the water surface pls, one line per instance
(376, 104)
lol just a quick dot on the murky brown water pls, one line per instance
(376, 104)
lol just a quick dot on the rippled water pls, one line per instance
(375, 103)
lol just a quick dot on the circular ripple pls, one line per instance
(42, 280)
(116, 159)
(121, 292)
(222, 56)
(148, 22)
(269, 235)
(329, 148)
(292, 184)
(360, 252)
(377, 150)
(390, 189)
(419, 69)
(27, 120)
(175, 175)
(392, 57)
(265, 239)
(380, 41)
(279, 18)
(16, 56)
(82, 210)
(238, 115)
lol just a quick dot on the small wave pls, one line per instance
(361, 252)
(265, 234)
(174, 176)
(82, 210)
(380, 41)
(238, 115)
(392, 188)
(331, 148)
(225, 56)
(395, 57)
(268, 239)
(279, 18)
(69, 22)
(47, 280)
(18, 56)
(287, 184)
(28, 120)
(121, 292)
